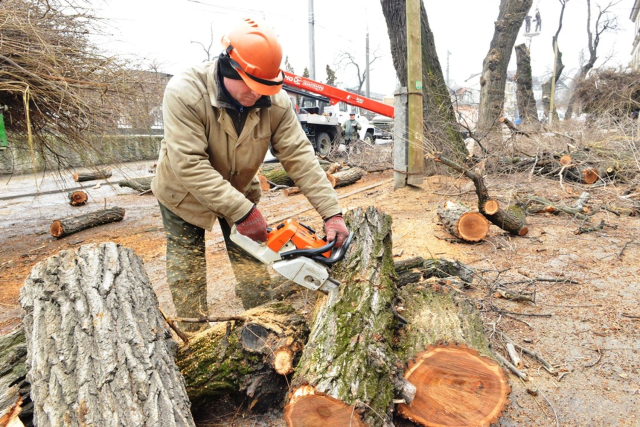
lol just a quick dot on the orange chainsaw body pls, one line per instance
(292, 231)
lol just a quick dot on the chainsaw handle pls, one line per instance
(336, 254)
(309, 252)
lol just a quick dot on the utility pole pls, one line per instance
(312, 43)
(448, 55)
(367, 60)
(409, 155)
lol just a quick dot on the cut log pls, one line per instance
(513, 219)
(139, 184)
(291, 191)
(264, 183)
(413, 270)
(99, 351)
(92, 175)
(16, 407)
(275, 173)
(565, 160)
(491, 207)
(457, 384)
(331, 179)
(347, 369)
(250, 358)
(78, 198)
(462, 223)
(66, 226)
(348, 176)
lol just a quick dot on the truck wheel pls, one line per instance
(323, 143)
(368, 138)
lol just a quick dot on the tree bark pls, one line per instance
(462, 223)
(414, 270)
(99, 351)
(438, 112)
(66, 226)
(249, 358)
(494, 68)
(15, 402)
(92, 175)
(139, 184)
(526, 101)
(348, 176)
(275, 173)
(345, 375)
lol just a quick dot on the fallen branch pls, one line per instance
(583, 230)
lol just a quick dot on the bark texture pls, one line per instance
(348, 176)
(138, 184)
(99, 351)
(462, 222)
(442, 128)
(559, 67)
(66, 226)
(244, 357)
(92, 175)
(414, 270)
(348, 364)
(494, 66)
(15, 402)
(526, 101)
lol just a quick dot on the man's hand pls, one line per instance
(253, 225)
(336, 229)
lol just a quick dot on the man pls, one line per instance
(538, 21)
(351, 128)
(219, 119)
(527, 22)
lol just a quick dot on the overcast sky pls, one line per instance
(163, 30)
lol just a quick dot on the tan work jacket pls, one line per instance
(205, 170)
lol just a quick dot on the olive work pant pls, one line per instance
(187, 269)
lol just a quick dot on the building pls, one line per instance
(635, 53)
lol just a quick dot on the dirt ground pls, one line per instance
(585, 321)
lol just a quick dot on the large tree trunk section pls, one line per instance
(439, 116)
(348, 176)
(92, 175)
(457, 384)
(414, 270)
(66, 226)
(250, 358)
(99, 351)
(139, 184)
(16, 407)
(77, 198)
(494, 66)
(462, 222)
(512, 219)
(347, 369)
(526, 101)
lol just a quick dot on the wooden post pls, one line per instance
(400, 138)
(415, 151)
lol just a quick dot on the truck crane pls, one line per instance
(321, 124)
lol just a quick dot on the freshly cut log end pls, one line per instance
(456, 387)
(523, 231)
(308, 408)
(491, 207)
(56, 228)
(331, 179)
(473, 227)
(77, 198)
(283, 361)
(291, 191)
(264, 183)
(590, 175)
(565, 160)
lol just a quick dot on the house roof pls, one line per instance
(635, 10)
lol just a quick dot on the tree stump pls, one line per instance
(16, 407)
(462, 222)
(457, 384)
(66, 226)
(99, 351)
(78, 198)
(250, 358)
(139, 184)
(347, 369)
(92, 175)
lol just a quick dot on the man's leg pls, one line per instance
(253, 281)
(186, 268)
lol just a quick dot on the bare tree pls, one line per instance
(559, 66)
(207, 49)
(287, 66)
(606, 21)
(443, 130)
(494, 66)
(346, 59)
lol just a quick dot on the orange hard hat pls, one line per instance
(255, 53)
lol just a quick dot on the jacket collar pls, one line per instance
(220, 97)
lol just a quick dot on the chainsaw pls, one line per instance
(295, 251)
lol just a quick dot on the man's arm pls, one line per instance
(187, 153)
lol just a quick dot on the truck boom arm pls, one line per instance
(336, 95)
